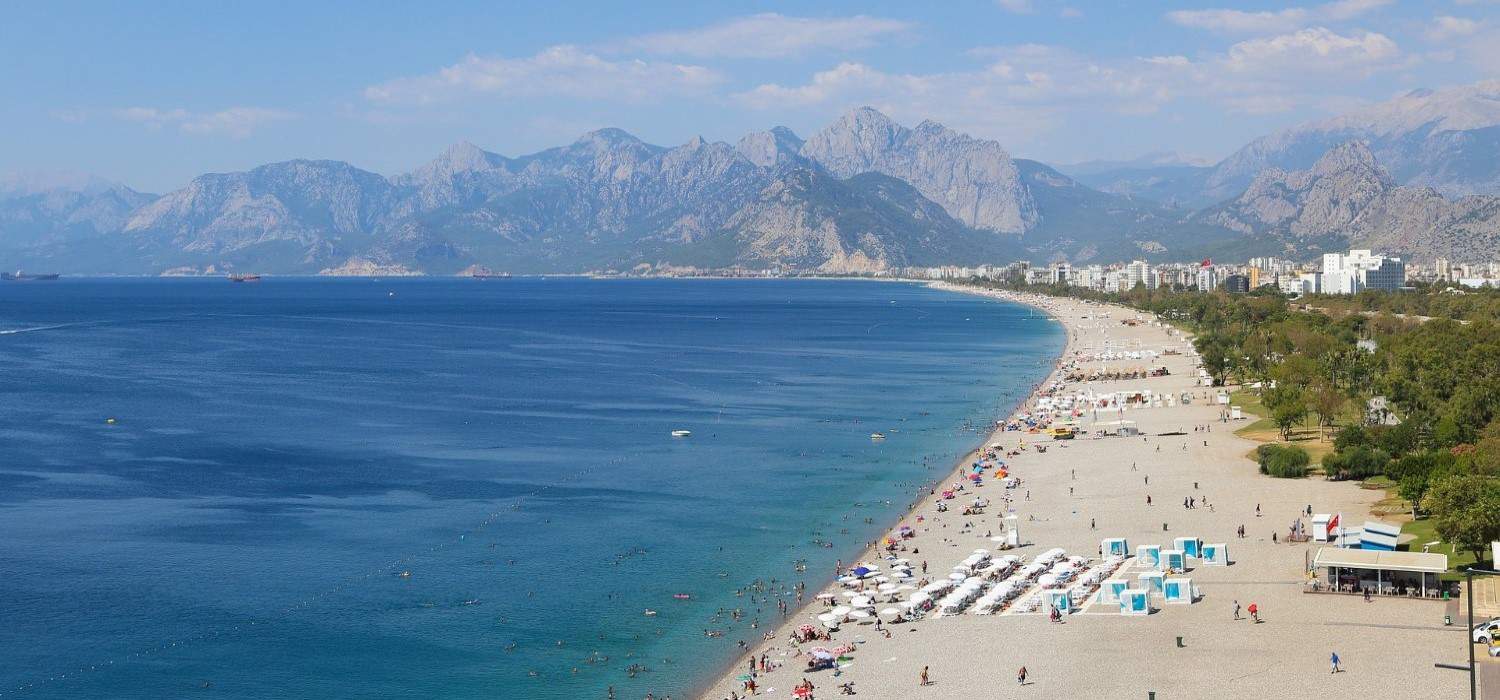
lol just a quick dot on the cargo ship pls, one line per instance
(244, 278)
(19, 276)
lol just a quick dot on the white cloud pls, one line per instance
(771, 36)
(235, 122)
(1230, 21)
(567, 71)
(1034, 87)
(1445, 28)
(1020, 7)
(1316, 49)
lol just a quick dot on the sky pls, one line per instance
(152, 94)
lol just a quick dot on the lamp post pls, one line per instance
(1473, 667)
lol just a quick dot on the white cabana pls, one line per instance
(1058, 600)
(1115, 547)
(1190, 546)
(1109, 591)
(1215, 554)
(1151, 581)
(1148, 556)
(1174, 560)
(1177, 590)
(1134, 601)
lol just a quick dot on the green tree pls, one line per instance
(1287, 410)
(1465, 511)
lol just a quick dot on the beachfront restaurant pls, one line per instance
(1413, 574)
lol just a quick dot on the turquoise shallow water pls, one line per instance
(283, 451)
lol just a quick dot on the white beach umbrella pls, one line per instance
(956, 577)
(841, 610)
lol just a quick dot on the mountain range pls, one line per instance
(1447, 139)
(1415, 175)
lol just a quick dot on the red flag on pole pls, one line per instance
(1207, 262)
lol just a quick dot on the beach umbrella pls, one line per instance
(841, 610)
(861, 570)
(826, 596)
(957, 576)
(859, 615)
(882, 579)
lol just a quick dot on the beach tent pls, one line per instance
(1177, 590)
(1215, 555)
(1111, 590)
(1174, 560)
(1151, 581)
(1115, 547)
(1190, 546)
(1058, 599)
(1148, 555)
(1134, 601)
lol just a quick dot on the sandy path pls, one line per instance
(1387, 646)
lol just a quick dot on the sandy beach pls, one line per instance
(1084, 490)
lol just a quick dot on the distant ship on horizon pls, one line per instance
(244, 278)
(19, 276)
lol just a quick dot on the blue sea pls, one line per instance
(355, 488)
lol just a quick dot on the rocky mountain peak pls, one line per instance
(975, 180)
(770, 148)
(1349, 156)
(607, 138)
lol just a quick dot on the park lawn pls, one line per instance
(1425, 531)
(1262, 429)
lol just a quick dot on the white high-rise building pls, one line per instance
(1360, 269)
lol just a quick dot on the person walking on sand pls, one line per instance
(1333, 661)
(1254, 613)
(924, 681)
(1236, 609)
(1021, 676)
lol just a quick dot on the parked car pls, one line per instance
(1484, 632)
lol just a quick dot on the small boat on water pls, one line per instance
(681, 433)
(877, 436)
(682, 596)
(19, 276)
(650, 612)
(244, 278)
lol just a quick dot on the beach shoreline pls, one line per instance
(871, 550)
(1185, 450)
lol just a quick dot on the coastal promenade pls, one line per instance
(1080, 491)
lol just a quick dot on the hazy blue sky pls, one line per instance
(152, 93)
